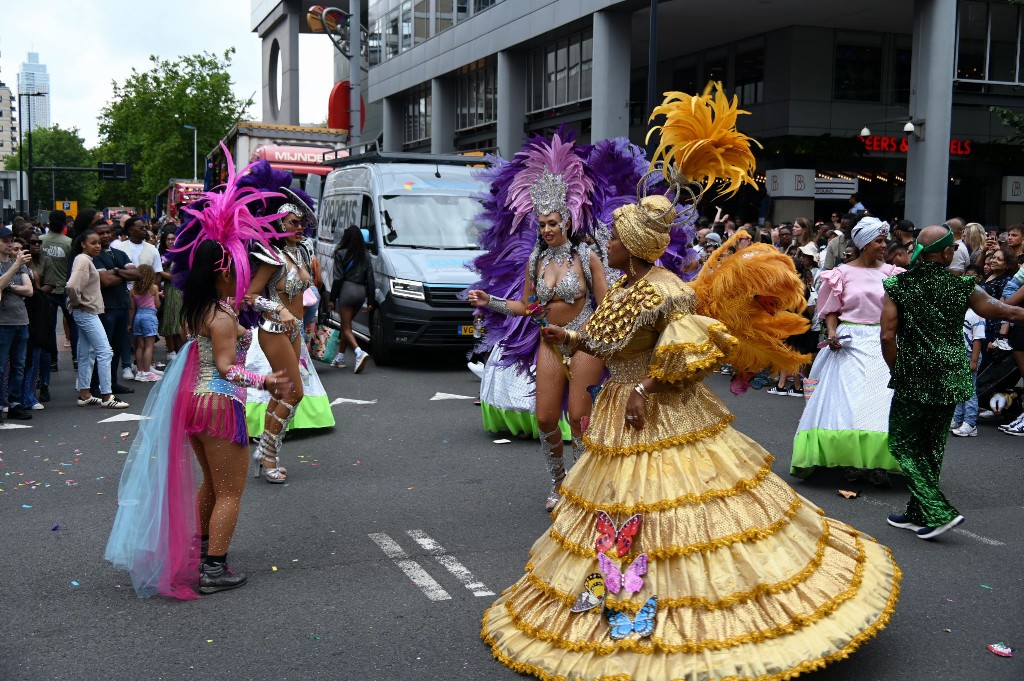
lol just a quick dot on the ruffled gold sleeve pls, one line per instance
(689, 348)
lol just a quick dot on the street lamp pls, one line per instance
(195, 152)
(21, 151)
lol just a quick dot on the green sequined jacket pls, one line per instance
(931, 365)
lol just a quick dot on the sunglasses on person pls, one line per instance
(34, 241)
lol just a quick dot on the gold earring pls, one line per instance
(632, 272)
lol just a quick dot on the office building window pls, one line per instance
(417, 114)
(476, 90)
(560, 73)
(901, 77)
(749, 84)
(444, 15)
(391, 33)
(420, 21)
(480, 5)
(858, 69)
(989, 43)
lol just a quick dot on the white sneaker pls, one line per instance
(361, 358)
(338, 361)
(1002, 344)
(127, 373)
(1015, 424)
(37, 406)
(986, 414)
(477, 368)
(966, 430)
(146, 377)
(171, 355)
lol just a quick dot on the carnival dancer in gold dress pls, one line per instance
(675, 552)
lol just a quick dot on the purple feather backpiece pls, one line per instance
(610, 169)
(226, 217)
(263, 177)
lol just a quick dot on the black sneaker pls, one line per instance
(933, 532)
(54, 367)
(851, 474)
(217, 577)
(900, 521)
(879, 478)
(19, 412)
(44, 393)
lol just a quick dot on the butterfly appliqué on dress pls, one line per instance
(631, 579)
(594, 594)
(643, 624)
(616, 542)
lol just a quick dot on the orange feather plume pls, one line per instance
(699, 140)
(742, 290)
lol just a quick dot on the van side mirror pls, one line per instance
(391, 233)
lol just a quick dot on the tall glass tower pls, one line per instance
(33, 78)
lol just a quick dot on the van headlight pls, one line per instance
(405, 288)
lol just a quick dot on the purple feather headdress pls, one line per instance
(275, 187)
(227, 217)
(552, 179)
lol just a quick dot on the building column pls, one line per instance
(511, 102)
(281, 47)
(931, 99)
(609, 104)
(442, 116)
(394, 123)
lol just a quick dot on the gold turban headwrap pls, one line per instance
(644, 227)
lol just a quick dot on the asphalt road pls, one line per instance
(378, 558)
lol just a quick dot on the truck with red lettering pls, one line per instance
(178, 192)
(297, 149)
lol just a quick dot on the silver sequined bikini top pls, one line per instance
(569, 288)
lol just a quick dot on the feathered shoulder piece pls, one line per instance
(757, 294)
(229, 215)
(699, 142)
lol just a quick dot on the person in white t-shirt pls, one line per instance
(138, 249)
(965, 418)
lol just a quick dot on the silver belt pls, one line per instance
(271, 326)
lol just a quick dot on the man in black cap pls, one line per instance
(904, 233)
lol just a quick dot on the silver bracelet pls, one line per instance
(265, 304)
(498, 305)
(640, 390)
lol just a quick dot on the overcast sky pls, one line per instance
(87, 44)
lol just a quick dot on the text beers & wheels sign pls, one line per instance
(900, 145)
(69, 207)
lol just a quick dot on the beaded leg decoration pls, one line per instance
(577, 447)
(556, 466)
(266, 454)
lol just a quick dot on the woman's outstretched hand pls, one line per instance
(478, 298)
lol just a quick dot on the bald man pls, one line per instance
(961, 257)
(922, 342)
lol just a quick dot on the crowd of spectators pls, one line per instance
(36, 264)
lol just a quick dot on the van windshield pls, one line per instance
(430, 221)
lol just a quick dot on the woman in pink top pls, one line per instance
(846, 418)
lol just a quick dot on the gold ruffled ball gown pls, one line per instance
(749, 579)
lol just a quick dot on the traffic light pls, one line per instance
(115, 171)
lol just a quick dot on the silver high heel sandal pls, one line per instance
(556, 467)
(268, 449)
(577, 447)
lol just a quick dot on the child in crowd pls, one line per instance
(965, 418)
(146, 296)
(1012, 286)
(806, 342)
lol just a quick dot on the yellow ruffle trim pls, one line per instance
(804, 667)
(697, 602)
(709, 354)
(658, 445)
(740, 487)
(753, 534)
(657, 644)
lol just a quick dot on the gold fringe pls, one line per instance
(753, 534)
(712, 354)
(692, 370)
(740, 487)
(696, 602)
(659, 645)
(658, 445)
(804, 667)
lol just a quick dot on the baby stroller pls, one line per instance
(999, 375)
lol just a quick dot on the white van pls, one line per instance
(417, 213)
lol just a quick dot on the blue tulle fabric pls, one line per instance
(155, 531)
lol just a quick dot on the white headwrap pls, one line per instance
(867, 230)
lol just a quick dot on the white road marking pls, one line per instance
(12, 426)
(124, 417)
(451, 396)
(346, 400)
(450, 563)
(411, 568)
(966, 533)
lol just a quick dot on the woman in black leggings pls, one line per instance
(352, 285)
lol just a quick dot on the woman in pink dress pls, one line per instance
(846, 420)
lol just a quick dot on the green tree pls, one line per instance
(143, 124)
(51, 147)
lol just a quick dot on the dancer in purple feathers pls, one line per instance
(544, 206)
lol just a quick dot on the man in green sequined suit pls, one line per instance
(922, 342)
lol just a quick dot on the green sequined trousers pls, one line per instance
(917, 439)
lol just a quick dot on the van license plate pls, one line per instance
(466, 330)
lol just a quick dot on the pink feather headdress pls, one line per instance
(225, 217)
(553, 180)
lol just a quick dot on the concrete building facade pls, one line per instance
(32, 79)
(8, 122)
(460, 75)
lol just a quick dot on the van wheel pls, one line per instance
(379, 349)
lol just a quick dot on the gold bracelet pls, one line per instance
(640, 390)
(572, 339)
